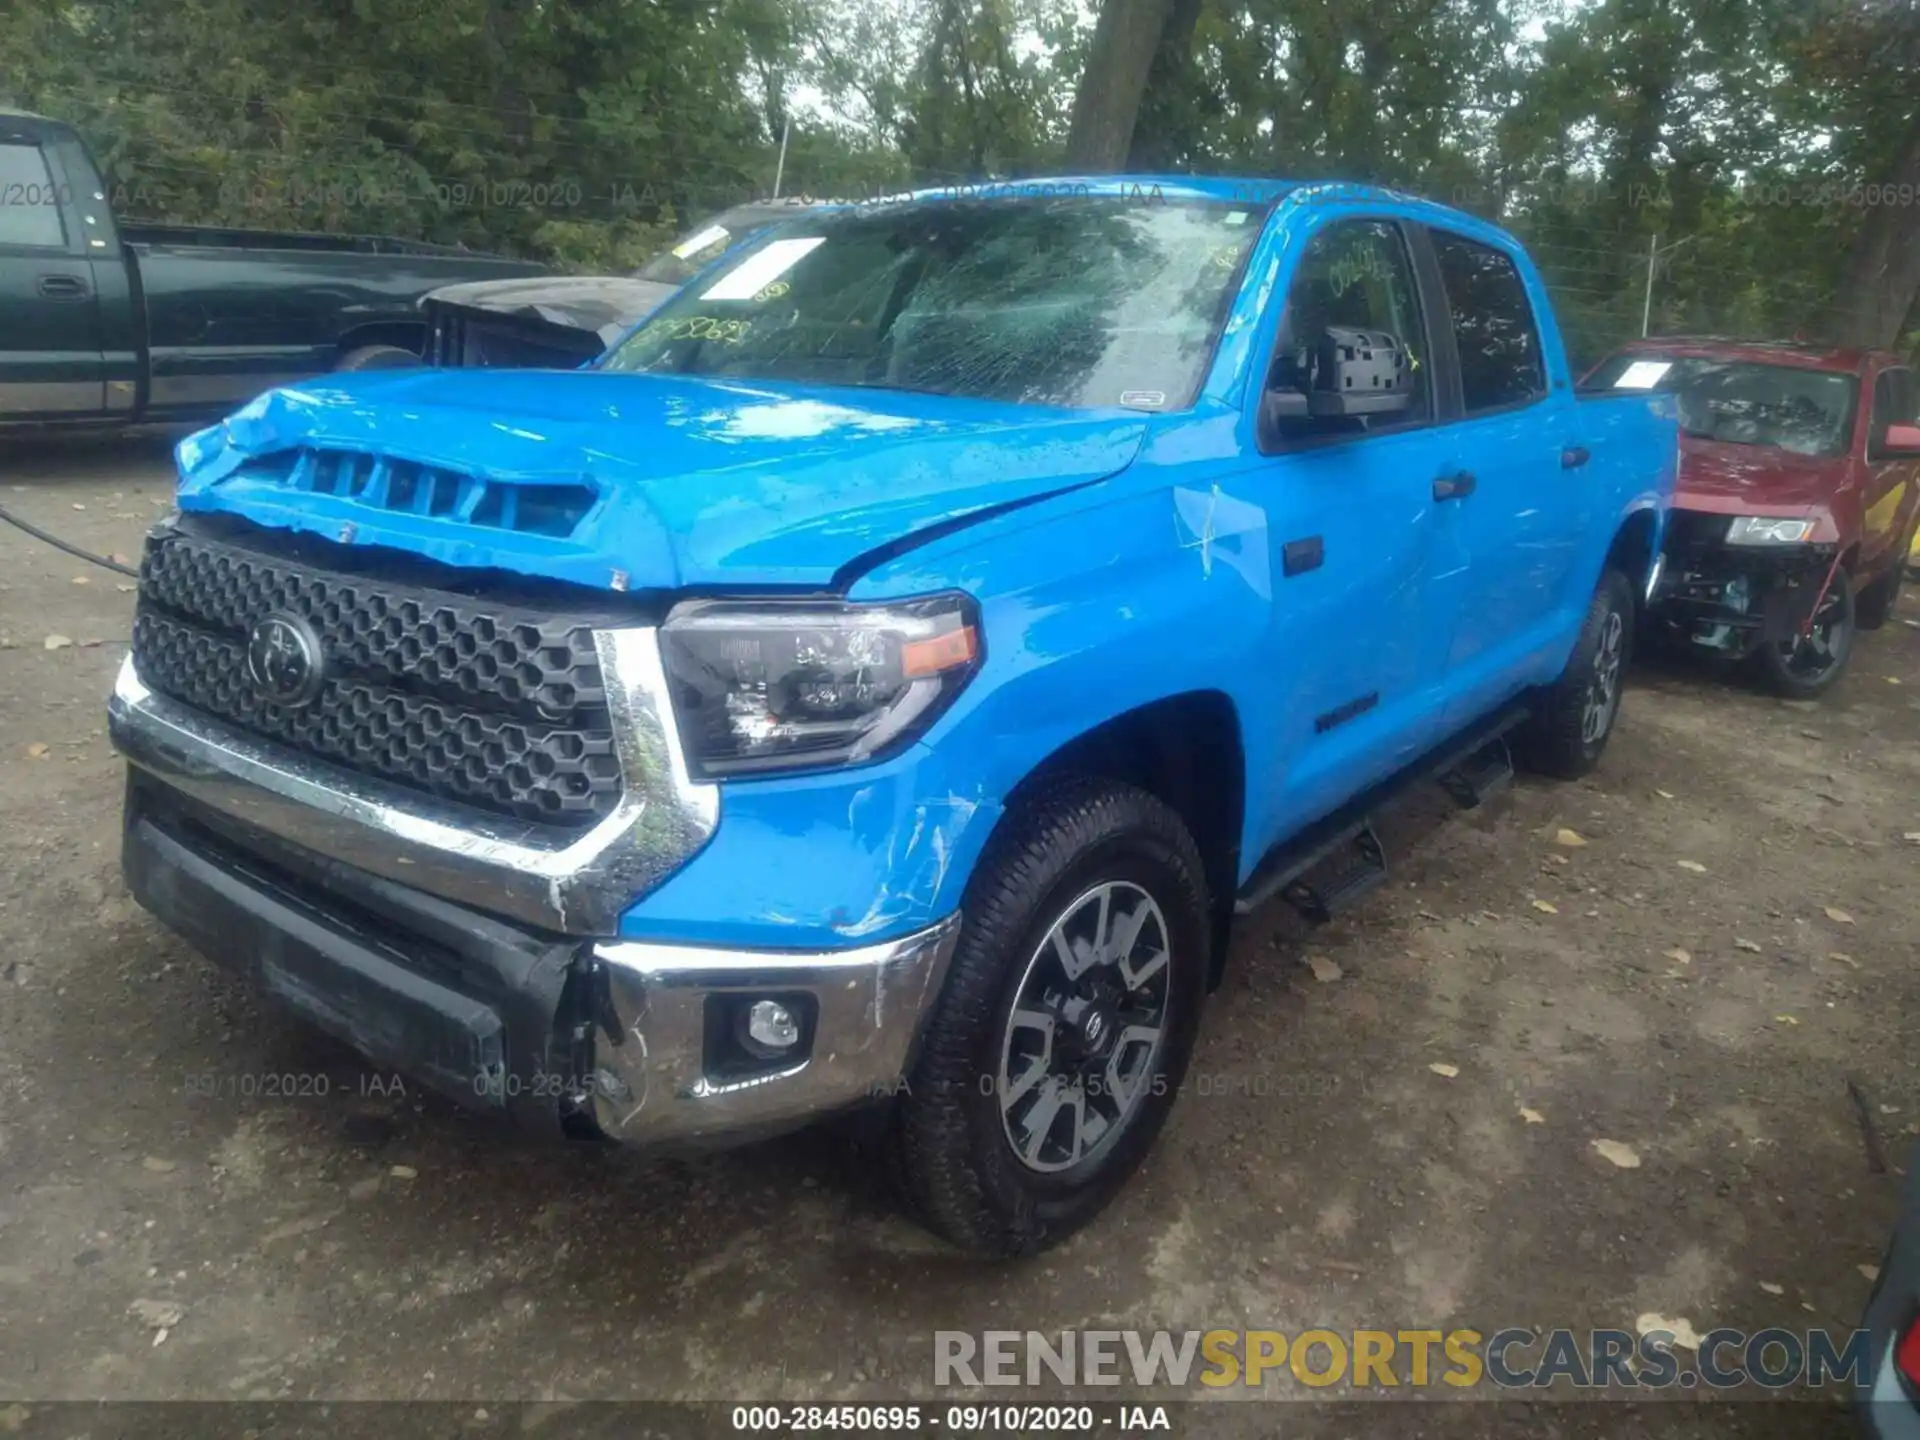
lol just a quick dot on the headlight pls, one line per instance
(790, 685)
(1766, 530)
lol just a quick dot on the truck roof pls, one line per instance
(1256, 190)
(1251, 189)
(1800, 354)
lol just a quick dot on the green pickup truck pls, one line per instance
(110, 324)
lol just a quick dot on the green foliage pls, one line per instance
(1739, 132)
(517, 125)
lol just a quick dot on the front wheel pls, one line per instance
(1066, 1023)
(1573, 717)
(1808, 662)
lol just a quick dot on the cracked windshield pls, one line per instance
(1077, 302)
(1808, 412)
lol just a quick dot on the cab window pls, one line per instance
(1493, 325)
(29, 200)
(1355, 276)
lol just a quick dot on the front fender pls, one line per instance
(1086, 615)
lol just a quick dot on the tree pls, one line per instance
(1126, 38)
(1173, 99)
(1865, 56)
(1880, 280)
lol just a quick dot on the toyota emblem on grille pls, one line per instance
(284, 660)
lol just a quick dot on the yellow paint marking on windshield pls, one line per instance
(700, 327)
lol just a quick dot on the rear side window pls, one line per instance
(29, 204)
(1493, 325)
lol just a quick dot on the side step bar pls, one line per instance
(1488, 769)
(1366, 870)
(1475, 763)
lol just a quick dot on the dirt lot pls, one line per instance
(387, 1246)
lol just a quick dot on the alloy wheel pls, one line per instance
(1086, 1031)
(1810, 656)
(1603, 692)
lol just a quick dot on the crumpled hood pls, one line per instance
(604, 305)
(694, 482)
(1714, 476)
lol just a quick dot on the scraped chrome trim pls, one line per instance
(577, 883)
(651, 1080)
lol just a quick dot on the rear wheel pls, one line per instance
(1066, 1022)
(1573, 717)
(1807, 664)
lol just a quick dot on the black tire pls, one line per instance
(1873, 605)
(378, 357)
(953, 1152)
(1803, 669)
(1573, 717)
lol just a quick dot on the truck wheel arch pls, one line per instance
(1187, 751)
(1631, 552)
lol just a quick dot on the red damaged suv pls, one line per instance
(1798, 494)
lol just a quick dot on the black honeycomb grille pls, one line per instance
(493, 706)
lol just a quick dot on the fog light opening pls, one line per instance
(768, 1029)
(755, 1033)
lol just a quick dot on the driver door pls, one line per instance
(1367, 566)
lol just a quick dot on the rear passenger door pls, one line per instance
(1522, 506)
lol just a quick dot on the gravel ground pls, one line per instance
(375, 1245)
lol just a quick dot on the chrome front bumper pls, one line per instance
(574, 883)
(657, 1074)
(651, 1081)
(524, 1024)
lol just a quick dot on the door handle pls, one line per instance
(1573, 457)
(63, 287)
(1456, 486)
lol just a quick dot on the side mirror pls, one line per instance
(1903, 440)
(1279, 404)
(1348, 373)
(1360, 372)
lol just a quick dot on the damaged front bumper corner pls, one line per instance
(638, 1042)
(1733, 599)
(670, 1064)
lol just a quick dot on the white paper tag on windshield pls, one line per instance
(694, 244)
(761, 269)
(1642, 374)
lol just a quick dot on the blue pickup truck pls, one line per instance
(879, 681)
